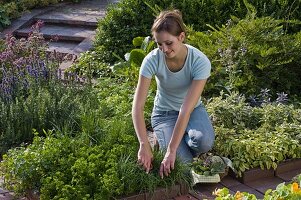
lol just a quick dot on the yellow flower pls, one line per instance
(238, 195)
(295, 188)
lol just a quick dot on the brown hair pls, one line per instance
(170, 21)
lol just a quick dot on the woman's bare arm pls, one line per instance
(144, 155)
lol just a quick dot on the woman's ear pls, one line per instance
(182, 36)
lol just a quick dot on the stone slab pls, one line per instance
(288, 176)
(6, 196)
(27, 18)
(207, 189)
(245, 188)
(288, 165)
(38, 11)
(65, 32)
(83, 46)
(66, 47)
(229, 181)
(16, 24)
(264, 184)
(71, 20)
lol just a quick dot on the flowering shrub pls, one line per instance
(264, 97)
(32, 94)
(26, 62)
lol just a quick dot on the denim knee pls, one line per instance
(198, 141)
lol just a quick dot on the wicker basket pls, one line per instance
(197, 178)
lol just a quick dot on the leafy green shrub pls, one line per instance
(53, 108)
(250, 54)
(132, 18)
(116, 97)
(90, 65)
(64, 167)
(4, 17)
(255, 136)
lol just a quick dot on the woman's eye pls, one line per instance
(169, 43)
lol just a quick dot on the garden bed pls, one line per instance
(258, 173)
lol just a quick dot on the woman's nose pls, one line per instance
(164, 48)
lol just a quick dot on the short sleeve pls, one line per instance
(201, 68)
(148, 66)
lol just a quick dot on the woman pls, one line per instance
(180, 122)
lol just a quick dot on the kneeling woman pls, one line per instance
(180, 121)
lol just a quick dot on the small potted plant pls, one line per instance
(210, 168)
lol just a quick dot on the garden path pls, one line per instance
(75, 26)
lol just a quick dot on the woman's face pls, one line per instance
(170, 45)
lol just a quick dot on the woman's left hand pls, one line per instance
(167, 164)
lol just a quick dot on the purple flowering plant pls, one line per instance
(265, 97)
(27, 62)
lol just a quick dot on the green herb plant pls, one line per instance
(254, 136)
(210, 166)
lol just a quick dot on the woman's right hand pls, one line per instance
(145, 157)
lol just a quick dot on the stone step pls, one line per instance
(66, 47)
(71, 47)
(64, 32)
(80, 18)
(86, 13)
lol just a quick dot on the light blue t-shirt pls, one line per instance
(172, 87)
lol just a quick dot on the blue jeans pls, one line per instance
(198, 137)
